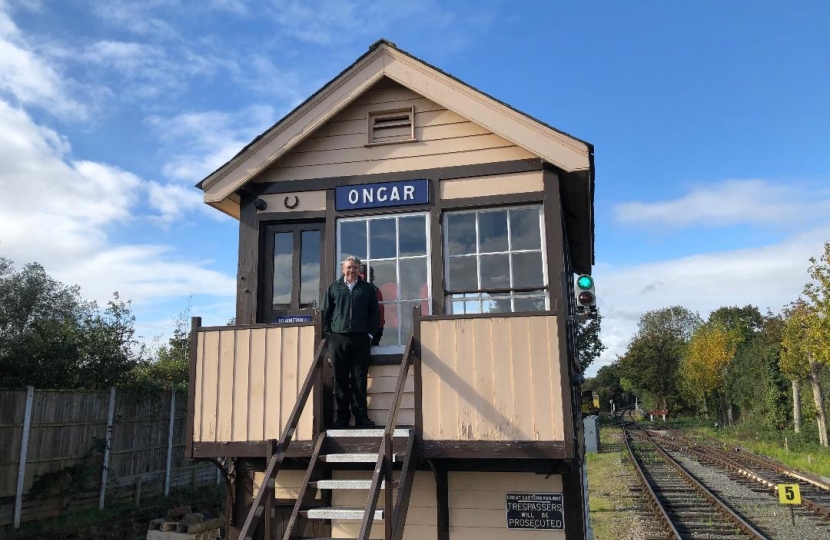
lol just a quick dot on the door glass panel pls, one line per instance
(310, 269)
(283, 265)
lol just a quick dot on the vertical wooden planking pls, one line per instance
(210, 372)
(503, 358)
(289, 379)
(198, 387)
(463, 380)
(224, 398)
(522, 403)
(170, 430)
(431, 381)
(556, 383)
(274, 386)
(241, 389)
(445, 344)
(256, 386)
(105, 467)
(486, 419)
(540, 361)
(305, 351)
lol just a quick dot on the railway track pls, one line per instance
(686, 508)
(763, 473)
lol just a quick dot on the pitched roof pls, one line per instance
(568, 154)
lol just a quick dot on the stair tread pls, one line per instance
(376, 432)
(350, 458)
(340, 512)
(345, 484)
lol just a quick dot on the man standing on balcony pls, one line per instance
(351, 318)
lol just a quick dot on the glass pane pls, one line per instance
(390, 325)
(382, 238)
(385, 277)
(283, 268)
(406, 318)
(310, 269)
(499, 303)
(527, 270)
(413, 236)
(524, 229)
(529, 303)
(495, 272)
(492, 231)
(461, 233)
(414, 278)
(462, 275)
(352, 241)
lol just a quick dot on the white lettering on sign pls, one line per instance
(396, 196)
(353, 196)
(408, 192)
(381, 194)
(368, 195)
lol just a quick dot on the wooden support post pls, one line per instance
(442, 495)
(137, 494)
(169, 462)
(24, 449)
(105, 466)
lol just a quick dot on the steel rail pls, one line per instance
(720, 505)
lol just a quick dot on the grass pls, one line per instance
(610, 503)
(787, 447)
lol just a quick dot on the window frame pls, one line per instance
(268, 313)
(480, 291)
(428, 256)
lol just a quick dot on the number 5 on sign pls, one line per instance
(789, 494)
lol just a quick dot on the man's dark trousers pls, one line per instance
(349, 355)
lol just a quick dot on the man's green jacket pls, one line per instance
(347, 311)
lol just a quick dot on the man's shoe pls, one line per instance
(341, 423)
(365, 423)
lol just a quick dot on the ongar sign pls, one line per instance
(402, 193)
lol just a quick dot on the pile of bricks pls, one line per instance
(182, 524)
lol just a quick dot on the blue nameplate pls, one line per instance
(288, 319)
(402, 193)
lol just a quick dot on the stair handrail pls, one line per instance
(279, 449)
(383, 466)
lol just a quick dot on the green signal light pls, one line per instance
(585, 282)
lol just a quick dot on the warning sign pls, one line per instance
(789, 494)
(535, 511)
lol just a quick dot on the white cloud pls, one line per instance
(732, 202)
(29, 79)
(210, 139)
(57, 212)
(766, 277)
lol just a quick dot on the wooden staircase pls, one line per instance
(344, 451)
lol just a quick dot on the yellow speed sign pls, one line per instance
(789, 494)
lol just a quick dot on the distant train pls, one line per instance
(590, 402)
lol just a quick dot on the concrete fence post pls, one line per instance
(24, 448)
(105, 468)
(169, 464)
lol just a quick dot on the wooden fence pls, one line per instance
(66, 450)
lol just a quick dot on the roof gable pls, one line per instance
(385, 60)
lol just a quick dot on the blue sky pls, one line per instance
(710, 121)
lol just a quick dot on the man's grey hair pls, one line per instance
(351, 258)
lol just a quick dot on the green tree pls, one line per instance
(703, 368)
(50, 337)
(588, 343)
(170, 367)
(649, 365)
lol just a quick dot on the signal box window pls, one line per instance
(495, 261)
(292, 269)
(395, 250)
